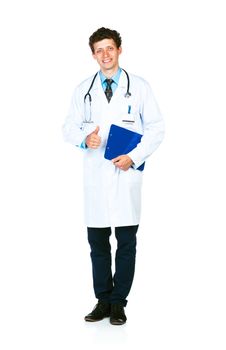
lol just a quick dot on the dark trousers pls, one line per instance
(108, 288)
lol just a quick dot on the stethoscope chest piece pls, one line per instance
(127, 94)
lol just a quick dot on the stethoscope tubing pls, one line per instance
(127, 94)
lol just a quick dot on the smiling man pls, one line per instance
(107, 54)
(112, 188)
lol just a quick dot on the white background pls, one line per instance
(178, 296)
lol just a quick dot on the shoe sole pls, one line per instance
(117, 323)
(92, 320)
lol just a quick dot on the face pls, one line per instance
(107, 54)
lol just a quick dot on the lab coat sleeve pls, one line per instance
(153, 128)
(72, 127)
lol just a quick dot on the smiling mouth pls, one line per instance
(106, 61)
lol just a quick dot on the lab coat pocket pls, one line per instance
(128, 121)
(132, 176)
(128, 118)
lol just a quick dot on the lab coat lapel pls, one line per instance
(98, 91)
(118, 94)
(121, 89)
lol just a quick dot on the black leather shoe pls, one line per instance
(100, 311)
(117, 316)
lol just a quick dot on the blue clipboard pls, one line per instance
(121, 141)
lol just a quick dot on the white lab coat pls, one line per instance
(113, 196)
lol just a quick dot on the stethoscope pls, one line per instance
(87, 111)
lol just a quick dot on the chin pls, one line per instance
(109, 67)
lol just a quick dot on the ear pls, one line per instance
(94, 56)
(120, 50)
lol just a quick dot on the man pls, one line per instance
(112, 188)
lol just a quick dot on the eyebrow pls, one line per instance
(105, 47)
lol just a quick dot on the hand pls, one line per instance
(93, 140)
(123, 162)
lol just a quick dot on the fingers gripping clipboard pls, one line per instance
(121, 141)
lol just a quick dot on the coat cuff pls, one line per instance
(136, 160)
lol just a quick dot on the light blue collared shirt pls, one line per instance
(114, 86)
(115, 79)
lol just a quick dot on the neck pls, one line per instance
(110, 72)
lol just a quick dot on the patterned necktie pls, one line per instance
(108, 90)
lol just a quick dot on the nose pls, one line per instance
(105, 53)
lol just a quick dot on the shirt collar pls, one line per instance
(115, 77)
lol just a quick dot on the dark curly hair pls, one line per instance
(104, 33)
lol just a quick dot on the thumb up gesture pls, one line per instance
(93, 140)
